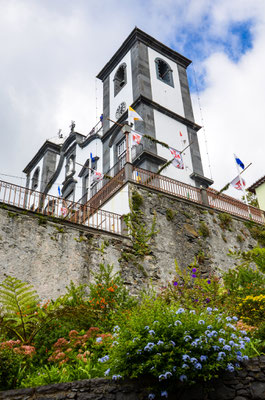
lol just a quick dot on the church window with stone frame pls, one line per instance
(70, 166)
(163, 72)
(35, 179)
(121, 153)
(120, 78)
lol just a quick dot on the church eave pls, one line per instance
(138, 35)
(46, 146)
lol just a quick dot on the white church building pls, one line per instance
(151, 78)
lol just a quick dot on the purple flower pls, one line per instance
(207, 300)
(196, 300)
(208, 281)
(194, 276)
(183, 378)
(194, 269)
(175, 283)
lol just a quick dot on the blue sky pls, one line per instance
(51, 52)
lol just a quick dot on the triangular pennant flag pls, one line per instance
(136, 138)
(132, 114)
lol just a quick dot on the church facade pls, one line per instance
(151, 78)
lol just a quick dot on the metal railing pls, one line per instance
(233, 206)
(68, 210)
(166, 185)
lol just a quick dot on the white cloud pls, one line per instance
(51, 52)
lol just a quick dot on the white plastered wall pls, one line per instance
(162, 93)
(119, 203)
(168, 131)
(126, 93)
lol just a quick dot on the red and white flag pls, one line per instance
(136, 138)
(178, 161)
(237, 184)
(97, 176)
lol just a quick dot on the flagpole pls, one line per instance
(243, 187)
(89, 178)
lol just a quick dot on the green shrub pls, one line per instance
(170, 214)
(225, 221)
(172, 343)
(190, 290)
(204, 230)
(251, 309)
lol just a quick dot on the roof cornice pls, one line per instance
(140, 36)
(253, 187)
(46, 146)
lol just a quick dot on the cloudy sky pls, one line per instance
(51, 51)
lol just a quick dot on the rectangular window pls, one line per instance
(121, 148)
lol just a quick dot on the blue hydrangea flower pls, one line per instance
(103, 359)
(180, 311)
(230, 367)
(201, 322)
(247, 339)
(216, 348)
(221, 354)
(164, 394)
(173, 343)
(203, 358)
(194, 360)
(116, 377)
(209, 309)
(187, 338)
(239, 358)
(151, 396)
(160, 342)
(198, 366)
(106, 373)
(227, 347)
(149, 346)
(228, 319)
(177, 323)
(185, 357)
(233, 336)
(209, 327)
(243, 332)
(116, 328)
(168, 374)
(221, 340)
(184, 366)
(222, 331)
(235, 318)
(151, 332)
(214, 333)
(183, 378)
(245, 357)
(232, 343)
(147, 328)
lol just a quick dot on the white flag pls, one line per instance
(237, 184)
(136, 138)
(133, 115)
(178, 161)
(97, 176)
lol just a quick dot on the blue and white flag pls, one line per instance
(59, 191)
(239, 162)
(92, 158)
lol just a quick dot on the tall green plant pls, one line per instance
(137, 226)
(19, 307)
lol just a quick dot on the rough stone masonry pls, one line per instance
(50, 253)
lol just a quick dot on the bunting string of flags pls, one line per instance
(177, 160)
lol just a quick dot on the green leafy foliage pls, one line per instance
(19, 304)
(225, 221)
(136, 225)
(172, 343)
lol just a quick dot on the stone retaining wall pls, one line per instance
(246, 384)
(50, 253)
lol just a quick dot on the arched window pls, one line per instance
(120, 78)
(70, 166)
(35, 179)
(164, 72)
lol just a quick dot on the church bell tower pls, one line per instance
(151, 78)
